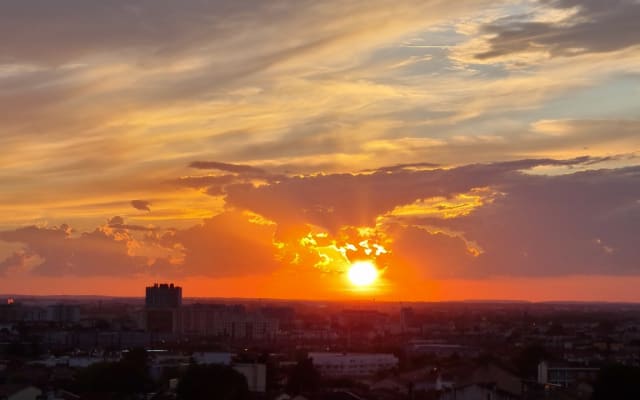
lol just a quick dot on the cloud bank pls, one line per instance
(473, 221)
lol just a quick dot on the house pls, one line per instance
(500, 376)
(420, 380)
(478, 391)
(488, 381)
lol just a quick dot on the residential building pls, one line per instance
(352, 364)
(565, 375)
(162, 308)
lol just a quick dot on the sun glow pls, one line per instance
(362, 273)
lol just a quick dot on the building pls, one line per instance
(12, 311)
(162, 308)
(564, 375)
(370, 318)
(163, 295)
(227, 321)
(352, 364)
(209, 357)
(497, 375)
(164, 313)
(440, 349)
(163, 361)
(63, 313)
(420, 380)
(477, 391)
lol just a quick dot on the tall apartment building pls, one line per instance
(164, 295)
(164, 313)
(162, 308)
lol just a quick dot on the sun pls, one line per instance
(362, 273)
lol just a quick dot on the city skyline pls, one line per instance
(397, 151)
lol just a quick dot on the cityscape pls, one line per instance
(320, 200)
(166, 346)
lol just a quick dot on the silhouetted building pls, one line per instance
(18, 312)
(163, 295)
(64, 313)
(162, 308)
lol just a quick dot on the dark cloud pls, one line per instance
(215, 185)
(432, 252)
(576, 223)
(229, 244)
(141, 205)
(335, 200)
(598, 26)
(117, 222)
(220, 166)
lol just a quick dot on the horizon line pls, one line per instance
(505, 301)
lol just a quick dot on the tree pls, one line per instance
(527, 360)
(126, 377)
(618, 382)
(272, 371)
(207, 382)
(303, 378)
(118, 378)
(136, 357)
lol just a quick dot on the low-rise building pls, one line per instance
(565, 375)
(352, 364)
(227, 321)
(209, 357)
(476, 391)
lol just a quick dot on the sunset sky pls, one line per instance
(470, 149)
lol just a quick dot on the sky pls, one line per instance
(470, 149)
